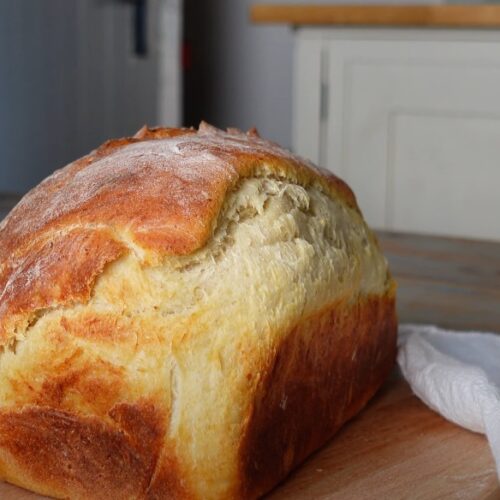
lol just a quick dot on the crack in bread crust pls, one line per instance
(165, 188)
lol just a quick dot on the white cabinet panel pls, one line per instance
(447, 182)
(307, 98)
(415, 111)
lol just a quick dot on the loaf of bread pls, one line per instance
(185, 314)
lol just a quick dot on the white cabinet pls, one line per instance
(410, 119)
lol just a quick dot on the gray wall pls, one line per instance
(68, 81)
(36, 82)
(241, 72)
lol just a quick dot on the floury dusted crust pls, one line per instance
(185, 314)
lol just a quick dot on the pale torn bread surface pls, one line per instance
(191, 331)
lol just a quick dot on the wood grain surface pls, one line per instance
(449, 282)
(451, 16)
(397, 448)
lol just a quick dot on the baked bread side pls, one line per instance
(185, 314)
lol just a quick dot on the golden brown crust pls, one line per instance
(164, 187)
(324, 372)
(96, 327)
(51, 272)
(68, 455)
(320, 375)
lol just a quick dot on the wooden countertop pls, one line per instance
(397, 447)
(450, 282)
(429, 16)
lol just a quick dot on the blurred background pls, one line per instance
(409, 116)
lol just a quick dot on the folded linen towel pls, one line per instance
(457, 374)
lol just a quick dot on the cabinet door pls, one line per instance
(414, 128)
(308, 82)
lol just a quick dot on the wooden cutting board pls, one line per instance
(397, 448)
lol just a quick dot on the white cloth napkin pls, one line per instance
(457, 374)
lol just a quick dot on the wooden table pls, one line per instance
(397, 448)
(448, 282)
